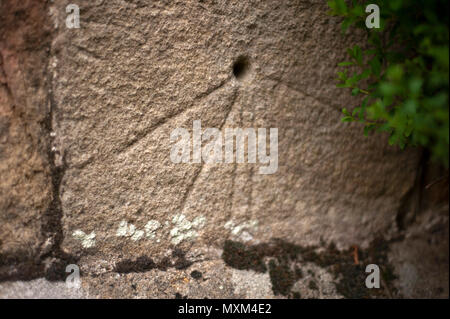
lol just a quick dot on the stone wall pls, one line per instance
(85, 124)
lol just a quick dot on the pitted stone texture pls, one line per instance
(317, 283)
(136, 70)
(421, 259)
(172, 283)
(39, 289)
(25, 183)
(249, 284)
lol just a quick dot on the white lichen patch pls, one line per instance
(151, 227)
(129, 230)
(243, 230)
(184, 229)
(199, 222)
(138, 234)
(124, 229)
(87, 241)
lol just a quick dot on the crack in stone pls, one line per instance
(196, 176)
(212, 89)
(145, 263)
(234, 172)
(250, 197)
(141, 135)
(89, 53)
(280, 81)
(5, 84)
(411, 201)
(50, 261)
(52, 228)
(231, 197)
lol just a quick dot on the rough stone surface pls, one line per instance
(316, 283)
(421, 260)
(249, 284)
(122, 86)
(38, 289)
(85, 128)
(25, 183)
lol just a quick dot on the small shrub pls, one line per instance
(402, 75)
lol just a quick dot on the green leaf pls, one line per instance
(351, 53)
(395, 4)
(346, 24)
(368, 128)
(352, 80)
(387, 89)
(358, 54)
(405, 72)
(342, 75)
(415, 85)
(395, 72)
(393, 139)
(338, 7)
(363, 107)
(365, 74)
(347, 119)
(410, 107)
(346, 63)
